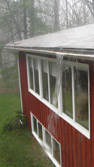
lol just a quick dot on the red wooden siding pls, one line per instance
(24, 86)
(77, 150)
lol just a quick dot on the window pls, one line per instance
(37, 128)
(45, 79)
(42, 80)
(67, 91)
(75, 96)
(81, 97)
(50, 145)
(40, 131)
(35, 125)
(36, 76)
(31, 73)
(56, 151)
(48, 140)
(53, 96)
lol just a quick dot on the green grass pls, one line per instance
(18, 148)
(9, 103)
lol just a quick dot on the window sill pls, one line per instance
(51, 107)
(76, 125)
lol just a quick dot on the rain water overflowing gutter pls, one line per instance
(51, 53)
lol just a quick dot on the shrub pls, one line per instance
(17, 122)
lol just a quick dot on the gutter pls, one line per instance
(44, 52)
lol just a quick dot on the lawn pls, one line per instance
(18, 148)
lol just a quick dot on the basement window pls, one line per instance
(47, 141)
(40, 132)
(56, 151)
(35, 125)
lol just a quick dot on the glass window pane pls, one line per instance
(40, 131)
(67, 91)
(81, 97)
(35, 124)
(36, 75)
(56, 151)
(48, 139)
(31, 72)
(53, 96)
(45, 79)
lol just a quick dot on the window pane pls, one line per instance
(36, 75)
(40, 131)
(35, 124)
(48, 139)
(31, 72)
(45, 79)
(67, 91)
(56, 151)
(53, 96)
(81, 97)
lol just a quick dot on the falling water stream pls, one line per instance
(53, 117)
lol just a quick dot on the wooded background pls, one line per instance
(21, 19)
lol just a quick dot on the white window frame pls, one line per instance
(38, 131)
(70, 120)
(28, 77)
(59, 110)
(40, 97)
(43, 143)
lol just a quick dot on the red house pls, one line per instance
(57, 91)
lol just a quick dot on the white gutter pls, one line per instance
(54, 53)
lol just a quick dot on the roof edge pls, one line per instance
(54, 53)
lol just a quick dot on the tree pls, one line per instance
(56, 15)
(90, 5)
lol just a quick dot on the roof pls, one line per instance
(80, 37)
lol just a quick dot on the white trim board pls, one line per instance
(20, 83)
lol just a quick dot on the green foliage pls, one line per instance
(9, 104)
(17, 122)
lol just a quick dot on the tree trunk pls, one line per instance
(25, 19)
(14, 19)
(90, 5)
(32, 19)
(67, 20)
(56, 15)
